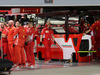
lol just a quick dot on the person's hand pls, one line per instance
(13, 45)
(83, 34)
(40, 43)
(54, 42)
(92, 47)
(3, 35)
(34, 39)
(26, 43)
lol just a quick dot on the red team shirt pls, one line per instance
(32, 33)
(85, 29)
(5, 31)
(21, 33)
(47, 33)
(96, 28)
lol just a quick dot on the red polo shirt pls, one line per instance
(47, 33)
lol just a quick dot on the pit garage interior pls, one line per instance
(62, 66)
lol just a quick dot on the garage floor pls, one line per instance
(59, 68)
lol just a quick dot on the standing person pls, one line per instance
(19, 47)
(86, 28)
(17, 25)
(4, 39)
(47, 34)
(30, 46)
(11, 30)
(25, 46)
(96, 31)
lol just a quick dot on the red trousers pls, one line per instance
(10, 52)
(5, 49)
(29, 53)
(47, 44)
(19, 55)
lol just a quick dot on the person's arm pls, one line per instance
(88, 31)
(84, 32)
(41, 38)
(15, 35)
(42, 33)
(28, 38)
(3, 36)
(15, 32)
(53, 37)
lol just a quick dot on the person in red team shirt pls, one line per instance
(25, 46)
(86, 28)
(96, 33)
(17, 25)
(30, 46)
(19, 47)
(4, 39)
(47, 34)
(11, 30)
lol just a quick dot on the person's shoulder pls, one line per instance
(44, 28)
(51, 29)
(96, 22)
(13, 28)
(6, 29)
(32, 29)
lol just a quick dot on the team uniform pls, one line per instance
(10, 43)
(19, 47)
(47, 35)
(5, 43)
(85, 29)
(25, 46)
(95, 28)
(30, 46)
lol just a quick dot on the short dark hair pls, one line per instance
(22, 23)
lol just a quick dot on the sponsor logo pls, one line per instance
(46, 31)
(23, 36)
(96, 28)
(67, 46)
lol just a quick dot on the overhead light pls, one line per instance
(48, 1)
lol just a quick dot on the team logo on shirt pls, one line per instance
(46, 31)
(23, 36)
(97, 21)
(96, 28)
